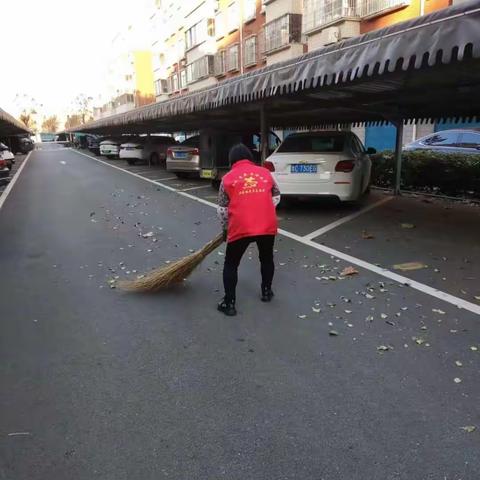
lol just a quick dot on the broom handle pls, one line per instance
(212, 244)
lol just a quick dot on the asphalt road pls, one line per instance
(97, 383)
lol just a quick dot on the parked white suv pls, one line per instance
(324, 163)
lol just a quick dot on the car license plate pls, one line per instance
(206, 173)
(180, 154)
(299, 168)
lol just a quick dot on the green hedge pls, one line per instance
(450, 174)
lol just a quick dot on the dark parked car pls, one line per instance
(93, 144)
(449, 141)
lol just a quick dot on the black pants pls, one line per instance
(234, 254)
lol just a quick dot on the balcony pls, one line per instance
(199, 69)
(320, 13)
(372, 8)
(281, 32)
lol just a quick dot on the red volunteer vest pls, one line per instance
(250, 211)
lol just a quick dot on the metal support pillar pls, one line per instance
(263, 133)
(398, 157)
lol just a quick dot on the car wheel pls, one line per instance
(182, 174)
(131, 161)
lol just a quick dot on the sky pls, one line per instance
(53, 50)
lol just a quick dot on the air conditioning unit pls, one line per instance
(331, 35)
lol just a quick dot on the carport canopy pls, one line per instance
(423, 69)
(11, 126)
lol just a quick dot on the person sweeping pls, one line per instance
(247, 201)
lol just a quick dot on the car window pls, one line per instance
(443, 139)
(192, 142)
(312, 144)
(469, 140)
(357, 145)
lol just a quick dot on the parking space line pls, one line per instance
(9, 187)
(195, 188)
(165, 179)
(346, 219)
(433, 292)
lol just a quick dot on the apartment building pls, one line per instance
(201, 42)
(129, 75)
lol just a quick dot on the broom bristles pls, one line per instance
(173, 273)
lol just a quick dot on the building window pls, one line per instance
(282, 31)
(250, 51)
(233, 17)
(220, 62)
(370, 8)
(232, 58)
(161, 86)
(174, 87)
(249, 10)
(183, 78)
(318, 13)
(201, 68)
(199, 33)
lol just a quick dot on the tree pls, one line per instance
(50, 124)
(73, 121)
(28, 119)
(83, 107)
(29, 108)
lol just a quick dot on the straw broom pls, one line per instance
(173, 273)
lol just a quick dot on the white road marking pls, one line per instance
(165, 179)
(446, 297)
(433, 292)
(6, 192)
(346, 219)
(16, 434)
(195, 188)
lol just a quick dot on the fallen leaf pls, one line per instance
(369, 318)
(384, 348)
(473, 348)
(348, 271)
(147, 235)
(302, 316)
(418, 341)
(384, 315)
(458, 363)
(408, 225)
(437, 310)
(457, 380)
(477, 297)
(469, 428)
(405, 267)
(348, 311)
(367, 236)
(316, 310)
(333, 333)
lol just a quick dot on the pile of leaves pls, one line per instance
(451, 174)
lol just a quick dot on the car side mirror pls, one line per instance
(371, 150)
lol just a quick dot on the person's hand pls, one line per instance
(224, 235)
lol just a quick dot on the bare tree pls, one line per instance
(73, 121)
(29, 108)
(83, 106)
(50, 124)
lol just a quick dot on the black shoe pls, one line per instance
(267, 294)
(227, 307)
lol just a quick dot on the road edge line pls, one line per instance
(9, 188)
(421, 287)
